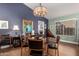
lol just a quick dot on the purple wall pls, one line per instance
(14, 13)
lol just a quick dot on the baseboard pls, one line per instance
(2, 47)
(69, 42)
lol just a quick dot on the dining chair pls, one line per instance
(16, 41)
(24, 43)
(35, 47)
(55, 45)
(0, 41)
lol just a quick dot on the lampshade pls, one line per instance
(32, 32)
(40, 11)
(15, 27)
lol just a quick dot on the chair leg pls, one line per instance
(21, 51)
(47, 52)
(55, 52)
(25, 50)
(29, 52)
(58, 52)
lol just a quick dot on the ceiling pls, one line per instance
(57, 9)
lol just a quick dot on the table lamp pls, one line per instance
(15, 28)
(32, 32)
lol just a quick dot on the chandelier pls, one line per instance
(40, 11)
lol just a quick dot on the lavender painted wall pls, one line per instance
(14, 13)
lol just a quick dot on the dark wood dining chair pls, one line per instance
(55, 45)
(35, 47)
(0, 41)
(24, 43)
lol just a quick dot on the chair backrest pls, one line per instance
(16, 41)
(35, 44)
(57, 39)
(0, 40)
(0, 37)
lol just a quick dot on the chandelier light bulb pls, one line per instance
(40, 11)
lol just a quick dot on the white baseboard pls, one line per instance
(69, 42)
(2, 47)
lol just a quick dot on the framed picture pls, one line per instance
(65, 27)
(27, 26)
(41, 27)
(3, 24)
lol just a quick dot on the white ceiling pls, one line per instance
(57, 9)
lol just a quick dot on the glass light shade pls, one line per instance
(15, 27)
(40, 11)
